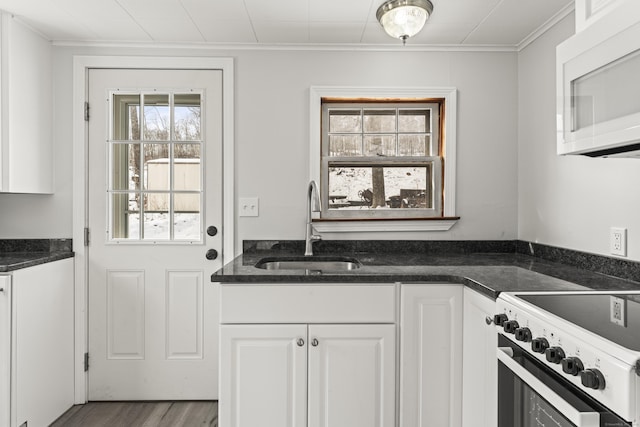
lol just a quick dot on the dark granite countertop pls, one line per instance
(488, 273)
(22, 253)
(17, 260)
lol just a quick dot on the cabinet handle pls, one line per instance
(300, 342)
(314, 342)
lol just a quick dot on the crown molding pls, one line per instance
(290, 47)
(546, 26)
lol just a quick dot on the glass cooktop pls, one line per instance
(615, 317)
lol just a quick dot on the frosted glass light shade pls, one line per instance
(402, 19)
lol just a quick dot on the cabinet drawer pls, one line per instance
(309, 303)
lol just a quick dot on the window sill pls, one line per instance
(384, 225)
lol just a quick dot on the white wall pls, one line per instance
(272, 128)
(570, 201)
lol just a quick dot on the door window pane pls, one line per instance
(156, 167)
(156, 117)
(125, 117)
(187, 111)
(186, 219)
(125, 166)
(156, 216)
(186, 167)
(125, 223)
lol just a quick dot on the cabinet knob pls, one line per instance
(1, 289)
(314, 342)
(300, 342)
(488, 320)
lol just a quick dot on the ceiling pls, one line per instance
(275, 22)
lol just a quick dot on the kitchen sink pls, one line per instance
(316, 263)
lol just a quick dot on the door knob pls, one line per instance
(212, 254)
(212, 230)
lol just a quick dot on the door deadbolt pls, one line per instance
(212, 230)
(212, 254)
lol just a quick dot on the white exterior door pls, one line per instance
(264, 379)
(155, 189)
(352, 375)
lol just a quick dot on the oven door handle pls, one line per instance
(580, 419)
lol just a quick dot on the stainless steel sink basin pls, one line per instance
(309, 263)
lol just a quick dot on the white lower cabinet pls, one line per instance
(317, 356)
(431, 355)
(5, 350)
(308, 375)
(36, 344)
(480, 366)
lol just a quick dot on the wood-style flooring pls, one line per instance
(141, 414)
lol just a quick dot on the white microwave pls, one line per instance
(598, 87)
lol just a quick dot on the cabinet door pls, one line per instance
(26, 149)
(351, 376)
(431, 355)
(5, 349)
(263, 375)
(479, 365)
(44, 345)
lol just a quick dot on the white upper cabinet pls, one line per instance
(589, 11)
(26, 149)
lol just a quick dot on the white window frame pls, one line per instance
(448, 131)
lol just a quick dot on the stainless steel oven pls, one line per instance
(556, 370)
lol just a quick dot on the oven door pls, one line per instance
(530, 394)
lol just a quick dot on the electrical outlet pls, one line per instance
(248, 206)
(618, 242)
(618, 311)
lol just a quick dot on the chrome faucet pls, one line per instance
(315, 207)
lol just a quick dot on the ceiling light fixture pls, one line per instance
(402, 19)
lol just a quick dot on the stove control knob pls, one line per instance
(510, 326)
(499, 319)
(592, 378)
(554, 354)
(572, 366)
(539, 345)
(523, 334)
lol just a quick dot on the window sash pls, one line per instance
(432, 158)
(434, 188)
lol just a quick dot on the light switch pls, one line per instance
(248, 206)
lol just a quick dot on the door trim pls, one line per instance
(81, 66)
